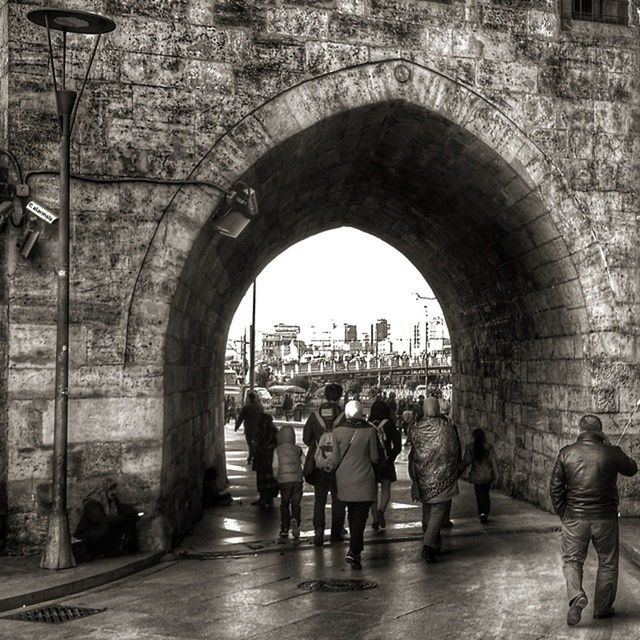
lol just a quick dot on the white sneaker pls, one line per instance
(295, 529)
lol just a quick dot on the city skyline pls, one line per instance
(388, 286)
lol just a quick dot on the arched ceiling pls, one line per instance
(479, 234)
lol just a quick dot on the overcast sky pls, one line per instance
(314, 283)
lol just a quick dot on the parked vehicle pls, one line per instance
(263, 393)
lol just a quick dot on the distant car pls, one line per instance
(264, 395)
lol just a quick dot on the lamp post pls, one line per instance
(426, 337)
(252, 344)
(57, 552)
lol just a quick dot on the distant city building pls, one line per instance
(382, 329)
(283, 343)
(350, 333)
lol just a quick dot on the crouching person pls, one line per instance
(107, 526)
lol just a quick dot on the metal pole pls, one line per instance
(252, 345)
(426, 354)
(57, 552)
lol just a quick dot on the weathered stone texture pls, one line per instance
(508, 175)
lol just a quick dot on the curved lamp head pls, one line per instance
(72, 21)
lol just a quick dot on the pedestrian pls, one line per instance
(584, 494)
(393, 404)
(355, 450)
(321, 423)
(287, 406)
(389, 436)
(263, 444)
(107, 526)
(445, 408)
(408, 419)
(287, 470)
(433, 468)
(480, 456)
(249, 415)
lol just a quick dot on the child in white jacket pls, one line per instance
(287, 470)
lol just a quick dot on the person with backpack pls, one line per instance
(484, 470)
(355, 450)
(318, 470)
(390, 445)
(287, 470)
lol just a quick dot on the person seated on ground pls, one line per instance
(107, 526)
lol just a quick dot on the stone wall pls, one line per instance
(4, 114)
(538, 113)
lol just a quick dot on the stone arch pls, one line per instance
(387, 136)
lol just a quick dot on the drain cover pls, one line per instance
(53, 614)
(337, 585)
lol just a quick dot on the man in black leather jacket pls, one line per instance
(584, 494)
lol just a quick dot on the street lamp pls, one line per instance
(57, 552)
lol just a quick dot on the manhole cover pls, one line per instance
(337, 585)
(53, 614)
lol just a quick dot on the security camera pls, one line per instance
(240, 207)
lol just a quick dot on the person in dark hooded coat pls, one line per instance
(433, 468)
(107, 526)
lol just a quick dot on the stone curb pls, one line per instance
(81, 584)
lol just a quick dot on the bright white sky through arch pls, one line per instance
(339, 276)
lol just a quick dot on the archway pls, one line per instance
(439, 173)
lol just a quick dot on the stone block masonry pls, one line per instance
(494, 144)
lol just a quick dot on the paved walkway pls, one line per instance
(243, 528)
(502, 580)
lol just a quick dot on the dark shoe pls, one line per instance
(337, 538)
(429, 554)
(318, 538)
(484, 518)
(447, 525)
(604, 613)
(258, 503)
(295, 529)
(381, 521)
(575, 610)
(354, 560)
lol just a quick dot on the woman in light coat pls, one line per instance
(355, 451)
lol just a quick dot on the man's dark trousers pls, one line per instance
(576, 535)
(325, 482)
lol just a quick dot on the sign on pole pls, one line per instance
(41, 212)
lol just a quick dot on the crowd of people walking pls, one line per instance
(352, 457)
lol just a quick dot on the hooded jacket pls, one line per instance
(287, 457)
(434, 455)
